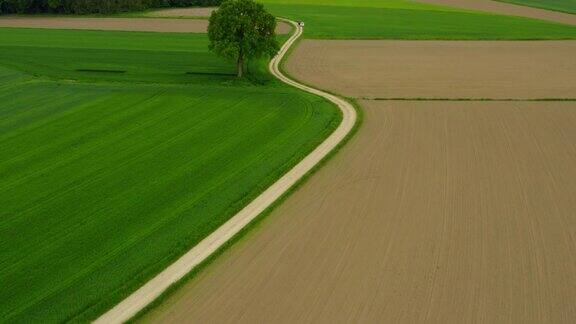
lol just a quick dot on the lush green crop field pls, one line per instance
(129, 56)
(103, 182)
(399, 19)
(568, 6)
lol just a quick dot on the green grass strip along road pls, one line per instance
(102, 185)
(401, 19)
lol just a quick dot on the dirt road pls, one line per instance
(439, 69)
(146, 294)
(507, 9)
(121, 24)
(443, 212)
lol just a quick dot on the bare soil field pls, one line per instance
(438, 69)
(183, 12)
(283, 28)
(507, 9)
(436, 212)
(124, 24)
(121, 24)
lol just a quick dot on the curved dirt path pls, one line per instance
(507, 9)
(176, 271)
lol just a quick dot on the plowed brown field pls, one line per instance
(124, 24)
(183, 12)
(507, 9)
(121, 24)
(442, 212)
(439, 69)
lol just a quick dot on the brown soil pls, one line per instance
(283, 27)
(123, 24)
(126, 24)
(436, 212)
(507, 9)
(183, 12)
(439, 69)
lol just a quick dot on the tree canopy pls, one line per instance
(93, 6)
(241, 30)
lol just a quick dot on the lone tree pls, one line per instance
(241, 30)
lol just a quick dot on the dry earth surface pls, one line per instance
(124, 24)
(183, 12)
(507, 9)
(442, 212)
(439, 69)
(283, 27)
(120, 24)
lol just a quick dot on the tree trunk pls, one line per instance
(240, 65)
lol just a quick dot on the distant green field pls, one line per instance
(568, 6)
(103, 182)
(398, 19)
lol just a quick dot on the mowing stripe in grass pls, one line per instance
(100, 71)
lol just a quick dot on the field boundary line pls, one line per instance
(536, 7)
(465, 99)
(176, 271)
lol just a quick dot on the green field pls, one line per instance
(127, 56)
(398, 19)
(104, 182)
(568, 6)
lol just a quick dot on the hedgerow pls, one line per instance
(93, 6)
